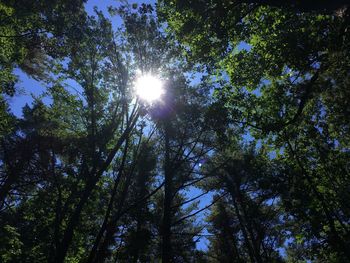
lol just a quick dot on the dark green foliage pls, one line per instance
(248, 149)
(283, 72)
(34, 34)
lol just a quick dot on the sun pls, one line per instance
(149, 88)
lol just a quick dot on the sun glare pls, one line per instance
(149, 88)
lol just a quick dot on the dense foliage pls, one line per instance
(245, 158)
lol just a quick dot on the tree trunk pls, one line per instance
(166, 224)
(73, 222)
(248, 234)
(100, 234)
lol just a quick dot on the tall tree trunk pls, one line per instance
(166, 224)
(73, 222)
(243, 228)
(248, 234)
(102, 230)
(111, 229)
(228, 237)
(90, 185)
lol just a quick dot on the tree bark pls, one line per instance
(166, 224)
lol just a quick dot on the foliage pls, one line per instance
(281, 70)
(248, 148)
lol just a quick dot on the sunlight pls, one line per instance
(149, 88)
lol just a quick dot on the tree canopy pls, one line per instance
(243, 157)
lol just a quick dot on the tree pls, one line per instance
(245, 220)
(278, 68)
(254, 118)
(179, 117)
(33, 33)
(77, 156)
